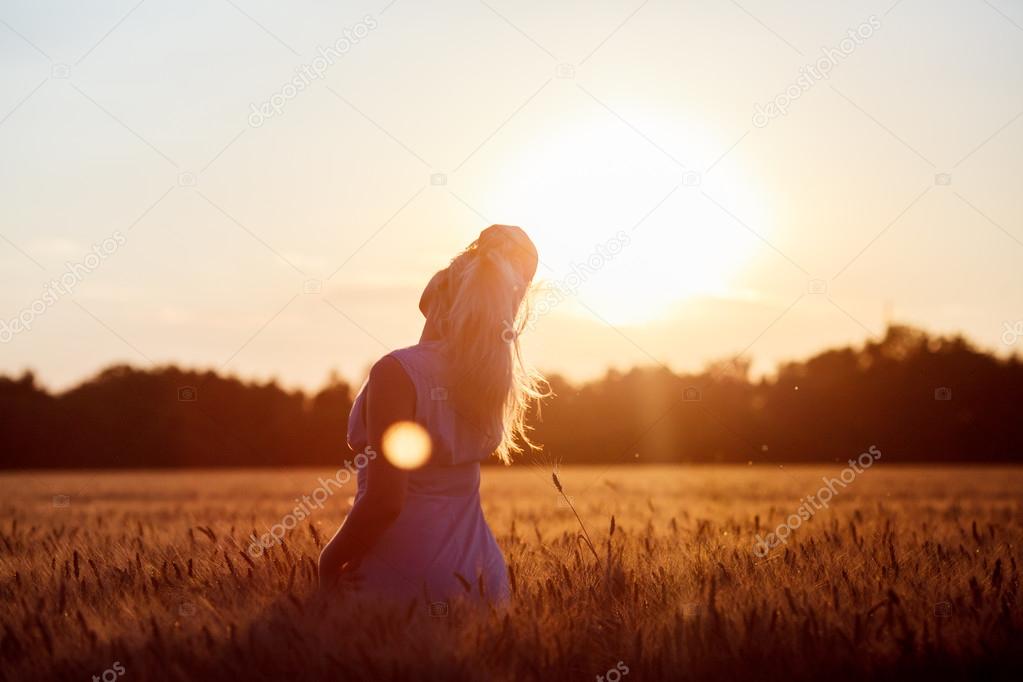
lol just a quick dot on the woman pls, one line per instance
(421, 533)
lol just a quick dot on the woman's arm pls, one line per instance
(390, 398)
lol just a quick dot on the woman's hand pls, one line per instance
(331, 564)
(334, 577)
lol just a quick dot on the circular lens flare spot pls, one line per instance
(406, 445)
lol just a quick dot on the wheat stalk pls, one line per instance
(586, 535)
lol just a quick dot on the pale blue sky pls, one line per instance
(109, 109)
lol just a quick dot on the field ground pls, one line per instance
(909, 573)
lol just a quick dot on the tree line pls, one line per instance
(917, 397)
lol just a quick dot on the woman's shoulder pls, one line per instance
(388, 369)
(420, 356)
(419, 360)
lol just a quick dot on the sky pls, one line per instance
(264, 188)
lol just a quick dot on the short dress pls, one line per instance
(441, 538)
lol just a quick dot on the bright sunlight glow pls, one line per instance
(586, 183)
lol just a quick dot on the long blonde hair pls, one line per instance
(481, 307)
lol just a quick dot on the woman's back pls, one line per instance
(456, 437)
(441, 533)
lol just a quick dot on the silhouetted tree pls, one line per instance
(916, 396)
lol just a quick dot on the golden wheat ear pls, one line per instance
(586, 535)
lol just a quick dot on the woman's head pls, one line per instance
(476, 308)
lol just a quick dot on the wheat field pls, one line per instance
(909, 573)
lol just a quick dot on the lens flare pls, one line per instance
(406, 445)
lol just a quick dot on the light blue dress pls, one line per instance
(441, 533)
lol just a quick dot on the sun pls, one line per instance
(624, 232)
